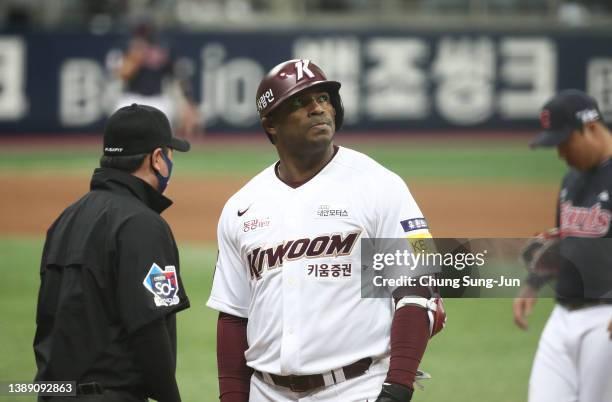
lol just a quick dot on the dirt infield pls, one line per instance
(31, 203)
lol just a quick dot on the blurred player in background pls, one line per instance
(573, 362)
(293, 325)
(150, 76)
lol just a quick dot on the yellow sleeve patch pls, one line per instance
(418, 243)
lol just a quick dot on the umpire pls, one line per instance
(110, 281)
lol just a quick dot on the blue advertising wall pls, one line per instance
(391, 81)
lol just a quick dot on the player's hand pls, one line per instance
(610, 329)
(523, 305)
(394, 393)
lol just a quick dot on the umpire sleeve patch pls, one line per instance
(163, 284)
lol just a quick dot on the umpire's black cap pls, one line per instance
(139, 129)
(569, 110)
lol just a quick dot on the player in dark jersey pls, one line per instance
(146, 67)
(574, 357)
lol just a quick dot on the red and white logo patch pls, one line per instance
(545, 119)
(584, 222)
(255, 224)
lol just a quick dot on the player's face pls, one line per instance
(306, 121)
(577, 150)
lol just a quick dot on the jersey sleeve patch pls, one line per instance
(163, 284)
(414, 224)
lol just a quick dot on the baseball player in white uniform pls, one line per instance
(293, 325)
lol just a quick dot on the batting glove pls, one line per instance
(394, 393)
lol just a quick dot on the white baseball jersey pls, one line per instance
(289, 262)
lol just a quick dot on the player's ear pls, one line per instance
(268, 125)
(156, 159)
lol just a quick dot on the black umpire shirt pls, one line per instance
(110, 266)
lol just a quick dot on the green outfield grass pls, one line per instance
(414, 160)
(480, 356)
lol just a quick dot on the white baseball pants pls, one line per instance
(573, 362)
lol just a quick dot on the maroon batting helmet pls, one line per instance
(290, 78)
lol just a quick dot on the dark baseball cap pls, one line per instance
(139, 129)
(569, 110)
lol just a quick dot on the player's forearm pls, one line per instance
(234, 374)
(132, 59)
(409, 336)
(128, 68)
(158, 368)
